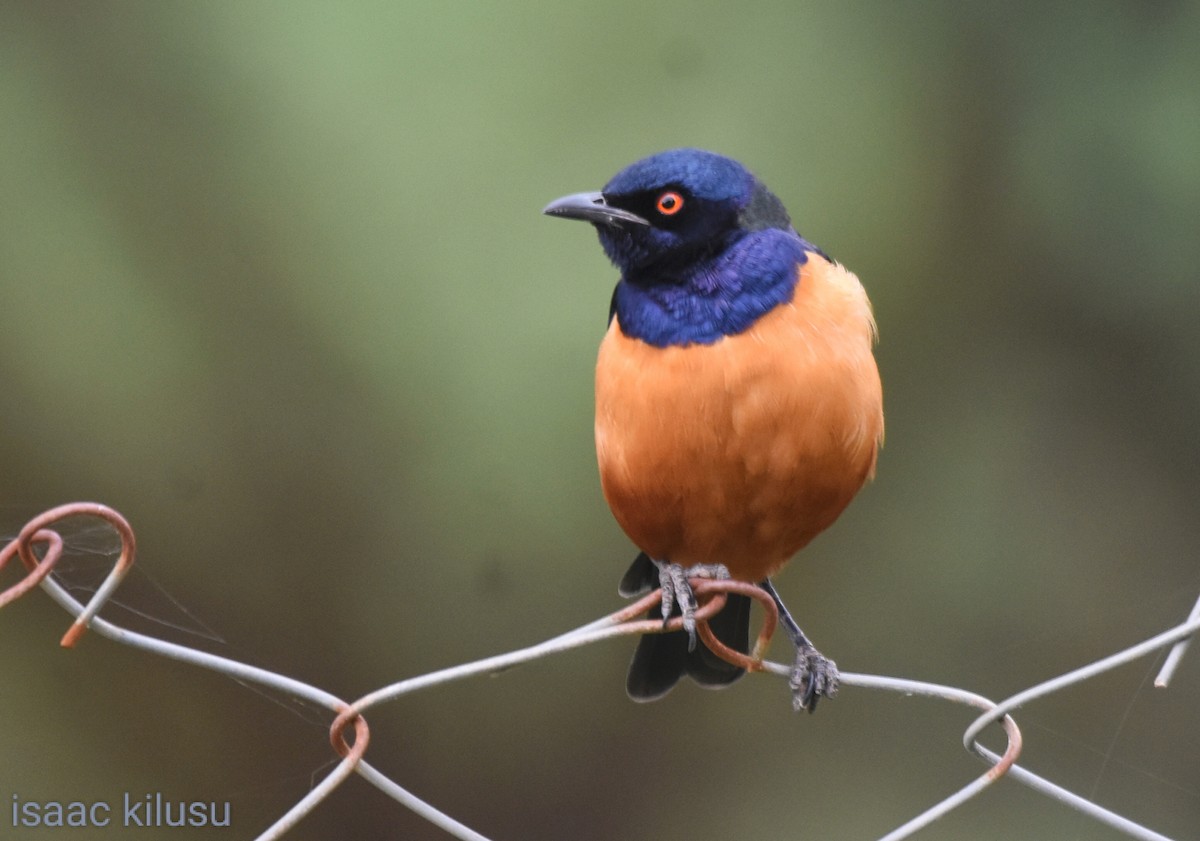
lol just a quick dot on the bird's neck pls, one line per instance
(711, 296)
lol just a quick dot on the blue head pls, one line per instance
(704, 248)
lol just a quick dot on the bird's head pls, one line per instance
(704, 248)
(671, 209)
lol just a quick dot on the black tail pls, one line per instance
(661, 659)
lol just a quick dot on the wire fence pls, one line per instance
(40, 547)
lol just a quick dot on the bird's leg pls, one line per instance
(814, 675)
(677, 589)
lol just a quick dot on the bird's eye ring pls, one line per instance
(669, 203)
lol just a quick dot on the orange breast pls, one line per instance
(742, 451)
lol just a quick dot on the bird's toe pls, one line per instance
(814, 676)
(675, 581)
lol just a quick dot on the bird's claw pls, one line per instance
(677, 590)
(814, 676)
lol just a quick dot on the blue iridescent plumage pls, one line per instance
(712, 270)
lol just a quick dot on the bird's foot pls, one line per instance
(814, 676)
(677, 590)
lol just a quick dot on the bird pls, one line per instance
(738, 403)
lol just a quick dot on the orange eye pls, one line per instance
(669, 203)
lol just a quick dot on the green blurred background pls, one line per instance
(274, 283)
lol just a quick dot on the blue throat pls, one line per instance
(720, 295)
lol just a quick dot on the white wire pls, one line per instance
(606, 628)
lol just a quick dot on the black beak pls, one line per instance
(591, 207)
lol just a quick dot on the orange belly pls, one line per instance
(742, 451)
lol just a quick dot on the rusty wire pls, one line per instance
(711, 595)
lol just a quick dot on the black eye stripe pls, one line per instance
(646, 203)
